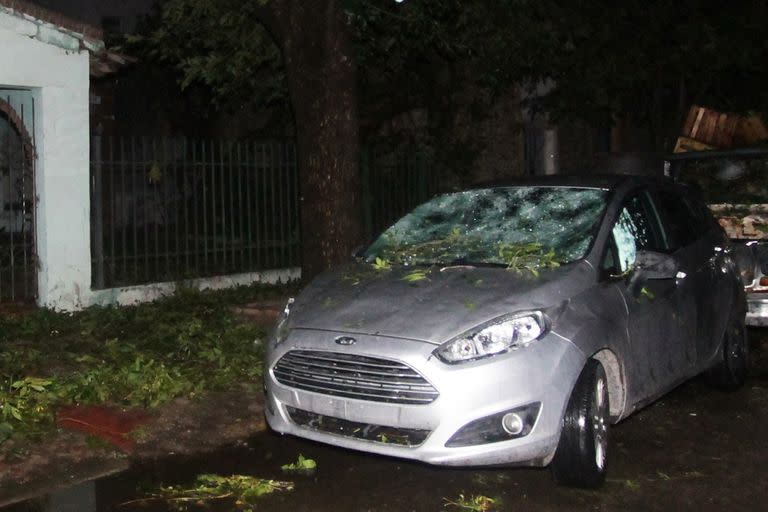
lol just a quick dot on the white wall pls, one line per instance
(58, 80)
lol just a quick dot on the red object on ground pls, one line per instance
(108, 423)
(262, 313)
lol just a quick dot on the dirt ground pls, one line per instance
(696, 449)
(179, 428)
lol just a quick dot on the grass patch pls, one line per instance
(142, 355)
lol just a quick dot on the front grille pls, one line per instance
(354, 376)
(356, 430)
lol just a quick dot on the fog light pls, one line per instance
(512, 423)
(502, 426)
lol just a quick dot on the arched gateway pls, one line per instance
(18, 264)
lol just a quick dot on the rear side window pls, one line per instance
(683, 221)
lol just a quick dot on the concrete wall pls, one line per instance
(145, 293)
(57, 78)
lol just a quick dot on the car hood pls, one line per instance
(355, 298)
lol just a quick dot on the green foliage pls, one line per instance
(219, 44)
(140, 355)
(629, 484)
(380, 264)
(438, 250)
(352, 279)
(473, 503)
(243, 490)
(302, 465)
(574, 57)
(645, 292)
(415, 276)
(527, 257)
(23, 402)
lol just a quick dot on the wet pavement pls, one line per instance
(696, 449)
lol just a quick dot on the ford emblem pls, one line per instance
(345, 340)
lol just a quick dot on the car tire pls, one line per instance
(581, 455)
(731, 372)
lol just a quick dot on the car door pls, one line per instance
(699, 246)
(658, 333)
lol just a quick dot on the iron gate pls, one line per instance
(165, 209)
(18, 270)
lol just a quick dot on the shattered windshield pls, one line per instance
(506, 226)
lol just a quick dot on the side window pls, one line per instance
(635, 229)
(684, 225)
(625, 238)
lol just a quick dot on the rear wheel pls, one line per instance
(731, 371)
(580, 459)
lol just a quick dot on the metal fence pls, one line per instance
(395, 179)
(170, 209)
(18, 264)
(165, 209)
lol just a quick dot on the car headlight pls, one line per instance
(494, 338)
(281, 327)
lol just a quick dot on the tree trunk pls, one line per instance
(322, 81)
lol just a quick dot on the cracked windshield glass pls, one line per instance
(520, 227)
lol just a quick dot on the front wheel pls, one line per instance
(580, 459)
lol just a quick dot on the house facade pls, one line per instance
(44, 174)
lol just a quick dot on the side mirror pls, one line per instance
(652, 265)
(656, 265)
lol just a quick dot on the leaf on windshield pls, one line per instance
(414, 276)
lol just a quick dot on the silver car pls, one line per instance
(511, 325)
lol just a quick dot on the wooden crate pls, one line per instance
(712, 128)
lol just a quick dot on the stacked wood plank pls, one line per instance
(709, 129)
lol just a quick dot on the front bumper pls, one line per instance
(757, 309)
(543, 372)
